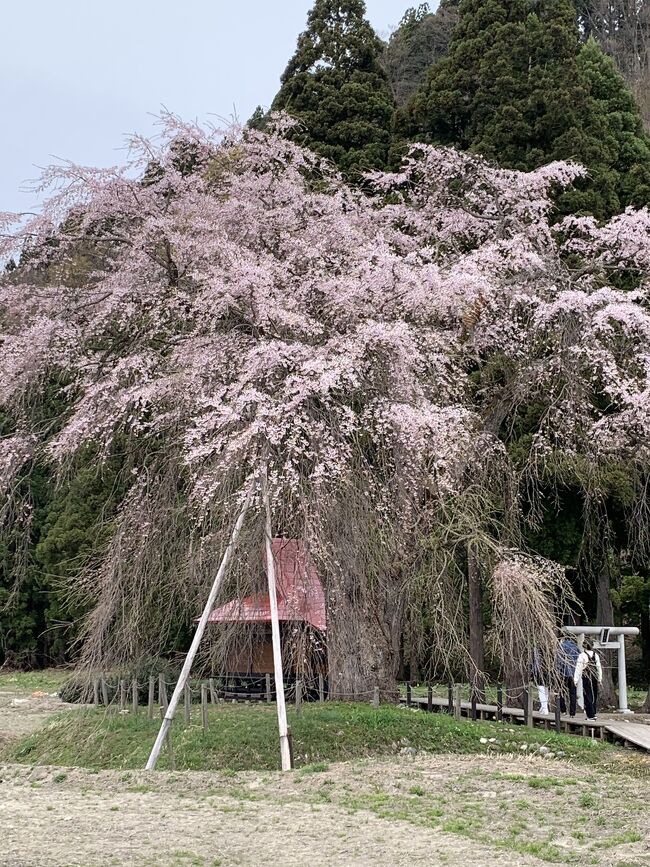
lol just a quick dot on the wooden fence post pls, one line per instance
(529, 708)
(204, 706)
(298, 697)
(321, 688)
(213, 692)
(122, 695)
(104, 690)
(458, 709)
(473, 700)
(188, 703)
(162, 691)
(499, 702)
(558, 713)
(268, 688)
(151, 696)
(430, 698)
(375, 697)
(450, 699)
(409, 696)
(134, 697)
(96, 692)
(524, 702)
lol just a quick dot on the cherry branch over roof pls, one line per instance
(300, 592)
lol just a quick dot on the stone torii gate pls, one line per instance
(609, 638)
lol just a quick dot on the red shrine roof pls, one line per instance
(300, 593)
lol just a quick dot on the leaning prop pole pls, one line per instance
(285, 750)
(198, 635)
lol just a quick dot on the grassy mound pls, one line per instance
(244, 737)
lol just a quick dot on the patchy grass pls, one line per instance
(46, 680)
(478, 805)
(580, 814)
(244, 737)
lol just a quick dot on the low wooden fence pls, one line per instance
(128, 695)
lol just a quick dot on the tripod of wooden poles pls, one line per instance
(285, 750)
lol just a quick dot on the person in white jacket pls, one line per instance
(590, 671)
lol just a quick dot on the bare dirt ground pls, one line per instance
(430, 810)
(84, 821)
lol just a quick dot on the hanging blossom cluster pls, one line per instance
(238, 303)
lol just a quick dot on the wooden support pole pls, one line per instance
(213, 692)
(473, 705)
(558, 714)
(458, 710)
(204, 707)
(96, 691)
(168, 740)
(151, 696)
(298, 697)
(122, 695)
(268, 688)
(198, 635)
(285, 749)
(499, 702)
(290, 742)
(375, 697)
(188, 703)
(134, 697)
(450, 699)
(104, 690)
(409, 696)
(430, 698)
(321, 688)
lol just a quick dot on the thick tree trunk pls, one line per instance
(605, 617)
(516, 681)
(476, 626)
(363, 644)
(414, 661)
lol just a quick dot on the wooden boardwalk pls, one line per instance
(630, 733)
(626, 731)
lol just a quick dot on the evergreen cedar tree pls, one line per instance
(517, 87)
(235, 310)
(335, 86)
(421, 40)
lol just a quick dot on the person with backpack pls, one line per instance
(567, 659)
(588, 668)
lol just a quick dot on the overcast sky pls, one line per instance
(78, 75)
